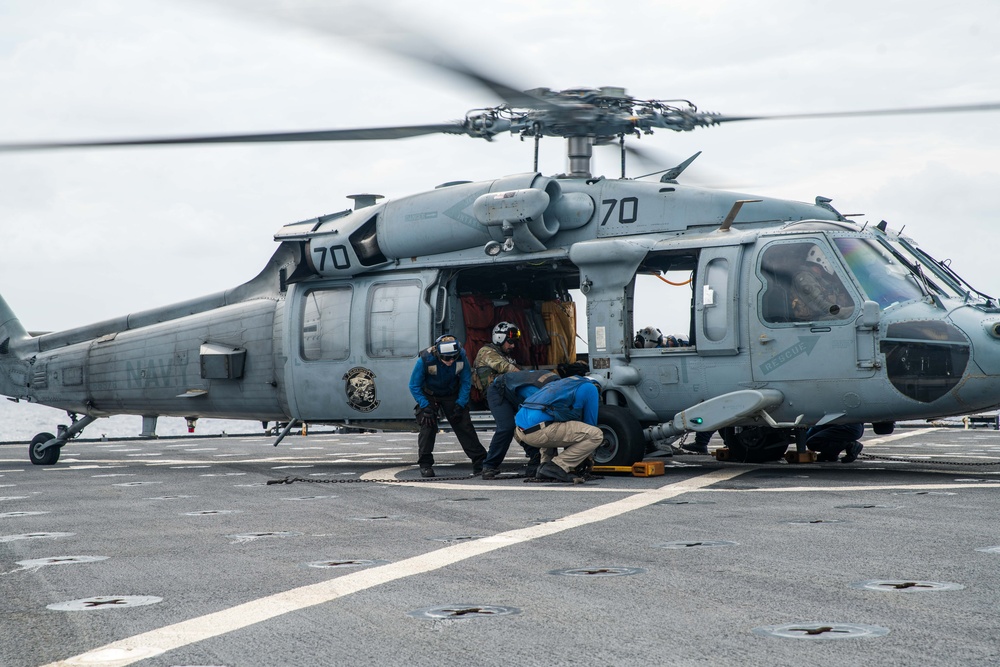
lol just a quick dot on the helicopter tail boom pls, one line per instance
(11, 333)
(11, 330)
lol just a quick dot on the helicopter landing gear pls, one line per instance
(40, 455)
(755, 444)
(45, 447)
(624, 443)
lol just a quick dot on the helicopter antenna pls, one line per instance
(670, 175)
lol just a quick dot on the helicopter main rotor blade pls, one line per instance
(376, 28)
(989, 106)
(360, 134)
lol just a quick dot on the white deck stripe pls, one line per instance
(866, 487)
(157, 642)
(898, 435)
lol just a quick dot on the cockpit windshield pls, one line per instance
(951, 284)
(884, 279)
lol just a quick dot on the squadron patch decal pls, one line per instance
(359, 384)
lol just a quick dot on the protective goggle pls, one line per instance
(448, 349)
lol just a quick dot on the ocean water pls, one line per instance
(20, 422)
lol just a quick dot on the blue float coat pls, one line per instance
(443, 383)
(585, 403)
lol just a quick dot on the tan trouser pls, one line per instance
(578, 438)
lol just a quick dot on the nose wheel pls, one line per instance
(40, 456)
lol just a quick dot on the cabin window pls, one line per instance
(326, 324)
(661, 300)
(802, 285)
(393, 318)
(715, 299)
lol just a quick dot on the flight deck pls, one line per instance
(178, 551)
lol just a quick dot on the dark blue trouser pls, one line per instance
(701, 439)
(503, 415)
(831, 440)
(461, 424)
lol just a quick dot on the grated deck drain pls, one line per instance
(105, 602)
(869, 507)
(904, 586)
(462, 611)
(822, 631)
(33, 536)
(674, 501)
(249, 537)
(345, 563)
(457, 538)
(693, 544)
(60, 560)
(924, 493)
(598, 571)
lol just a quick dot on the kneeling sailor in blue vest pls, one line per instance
(442, 379)
(506, 394)
(563, 413)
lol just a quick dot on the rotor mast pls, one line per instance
(579, 151)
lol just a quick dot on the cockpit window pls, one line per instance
(883, 278)
(802, 285)
(945, 280)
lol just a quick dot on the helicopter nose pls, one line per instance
(982, 329)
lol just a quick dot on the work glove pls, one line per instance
(427, 416)
(457, 412)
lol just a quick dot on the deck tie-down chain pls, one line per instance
(291, 480)
(903, 459)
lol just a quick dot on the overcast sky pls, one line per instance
(89, 235)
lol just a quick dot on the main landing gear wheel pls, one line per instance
(43, 457)
(755, 444)
(623, 443)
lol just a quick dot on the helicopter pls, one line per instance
(328, 331)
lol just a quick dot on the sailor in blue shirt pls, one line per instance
(563, 413)
(442, 380)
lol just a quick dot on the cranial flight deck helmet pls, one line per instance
(816, 256)
(505, 332)
(447, 347)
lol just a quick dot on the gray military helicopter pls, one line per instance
(329, 330)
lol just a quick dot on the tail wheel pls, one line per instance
(623, 442)
(755, 444)
(43, 457)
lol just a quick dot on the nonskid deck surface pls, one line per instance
(177, 551)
